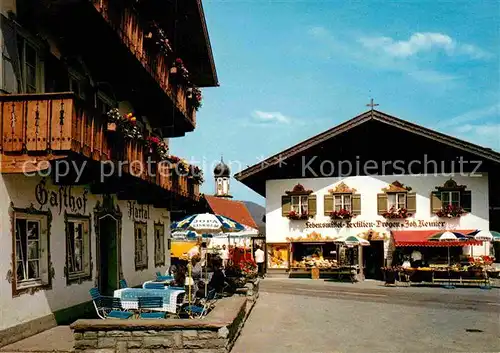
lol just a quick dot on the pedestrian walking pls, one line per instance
(224, 256)
(259, 259)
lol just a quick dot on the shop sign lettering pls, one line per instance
(417, 223)
(63, 198)
(137, 211)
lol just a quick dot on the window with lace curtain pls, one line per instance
(77, 248)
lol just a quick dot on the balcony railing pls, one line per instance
(54, 124)
(125, 21)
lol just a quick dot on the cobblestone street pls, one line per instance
(296, 316)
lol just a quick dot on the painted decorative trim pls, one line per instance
(314, 236)
(30, 210)
(86, 277)
(342, 188)
(372, 234)
(396, 186)
(156, 225)
(299, 190)
(451, 185)
(101, 210)
(144, 266)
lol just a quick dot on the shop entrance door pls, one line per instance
(108, 256)
(373, 259)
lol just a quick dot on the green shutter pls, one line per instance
(311, 205)
(466, 201)
(328, 204)
(356, 204)
(286, 205)
(436, 204)
(381, 203)
(411, 202)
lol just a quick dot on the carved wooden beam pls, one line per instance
(26, 164)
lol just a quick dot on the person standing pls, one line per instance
(259, 259)
(224, 256)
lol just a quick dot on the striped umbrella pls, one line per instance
(448, 236)
(485, 235)
(203, 223)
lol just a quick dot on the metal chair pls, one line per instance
(148, 303)
(123, 284)
(108, 307)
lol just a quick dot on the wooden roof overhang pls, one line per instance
(375, 136)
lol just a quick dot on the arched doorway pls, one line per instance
(108, 230)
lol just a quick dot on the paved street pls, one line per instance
(316, 316)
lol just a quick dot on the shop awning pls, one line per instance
(420, 238)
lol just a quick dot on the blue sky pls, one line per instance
(291, 69)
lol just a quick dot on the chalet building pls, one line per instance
(380, 178)
(93, 92)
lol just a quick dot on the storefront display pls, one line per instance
(277, 256)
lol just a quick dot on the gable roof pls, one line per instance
(235, 210)
(372, 115)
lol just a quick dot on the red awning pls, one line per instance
(420, 238)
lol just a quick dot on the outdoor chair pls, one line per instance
(145, 304)
(153, 285)
(123, 284)
(201, 309)
(160, 277)
(108, 307)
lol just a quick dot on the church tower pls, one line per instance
(222, 174)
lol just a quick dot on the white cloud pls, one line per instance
(431, 76)
(420, 43)
(474, 115)
(270, 117)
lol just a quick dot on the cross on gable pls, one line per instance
(372, 104)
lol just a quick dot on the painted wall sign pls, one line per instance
(136, 211)
(406, 223)
(63, 198)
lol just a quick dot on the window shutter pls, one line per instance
(311, 205)
(411, 202)
(286, 205)
(436, 203)
(381, 203)
(466, 201)
(356, 204)
(328, 204)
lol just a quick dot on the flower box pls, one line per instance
(450, 212)
(341, 214)
(397, 213)
(292, 215)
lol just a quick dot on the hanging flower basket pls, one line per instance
(111, 127)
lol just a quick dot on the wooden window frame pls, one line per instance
(397, 202)
(39, 64)
(343, 204)
(301, 200)
(399, 190)
(342, 190)
(159, 257)
(449, 188)
(86, 273)
(143, 264)
(45, 265)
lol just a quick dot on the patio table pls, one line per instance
(166, 282)
(130, 297)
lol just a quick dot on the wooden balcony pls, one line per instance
(58, 125)
(113, 48)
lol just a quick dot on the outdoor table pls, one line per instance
(166, 282)
(130, 297)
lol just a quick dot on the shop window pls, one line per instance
(159, 230)
(451, 200)
(342, 202)
(277, 256)
(32, 268)
(78, 256)
(298, 203)
(397, 201)
(141, 245)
